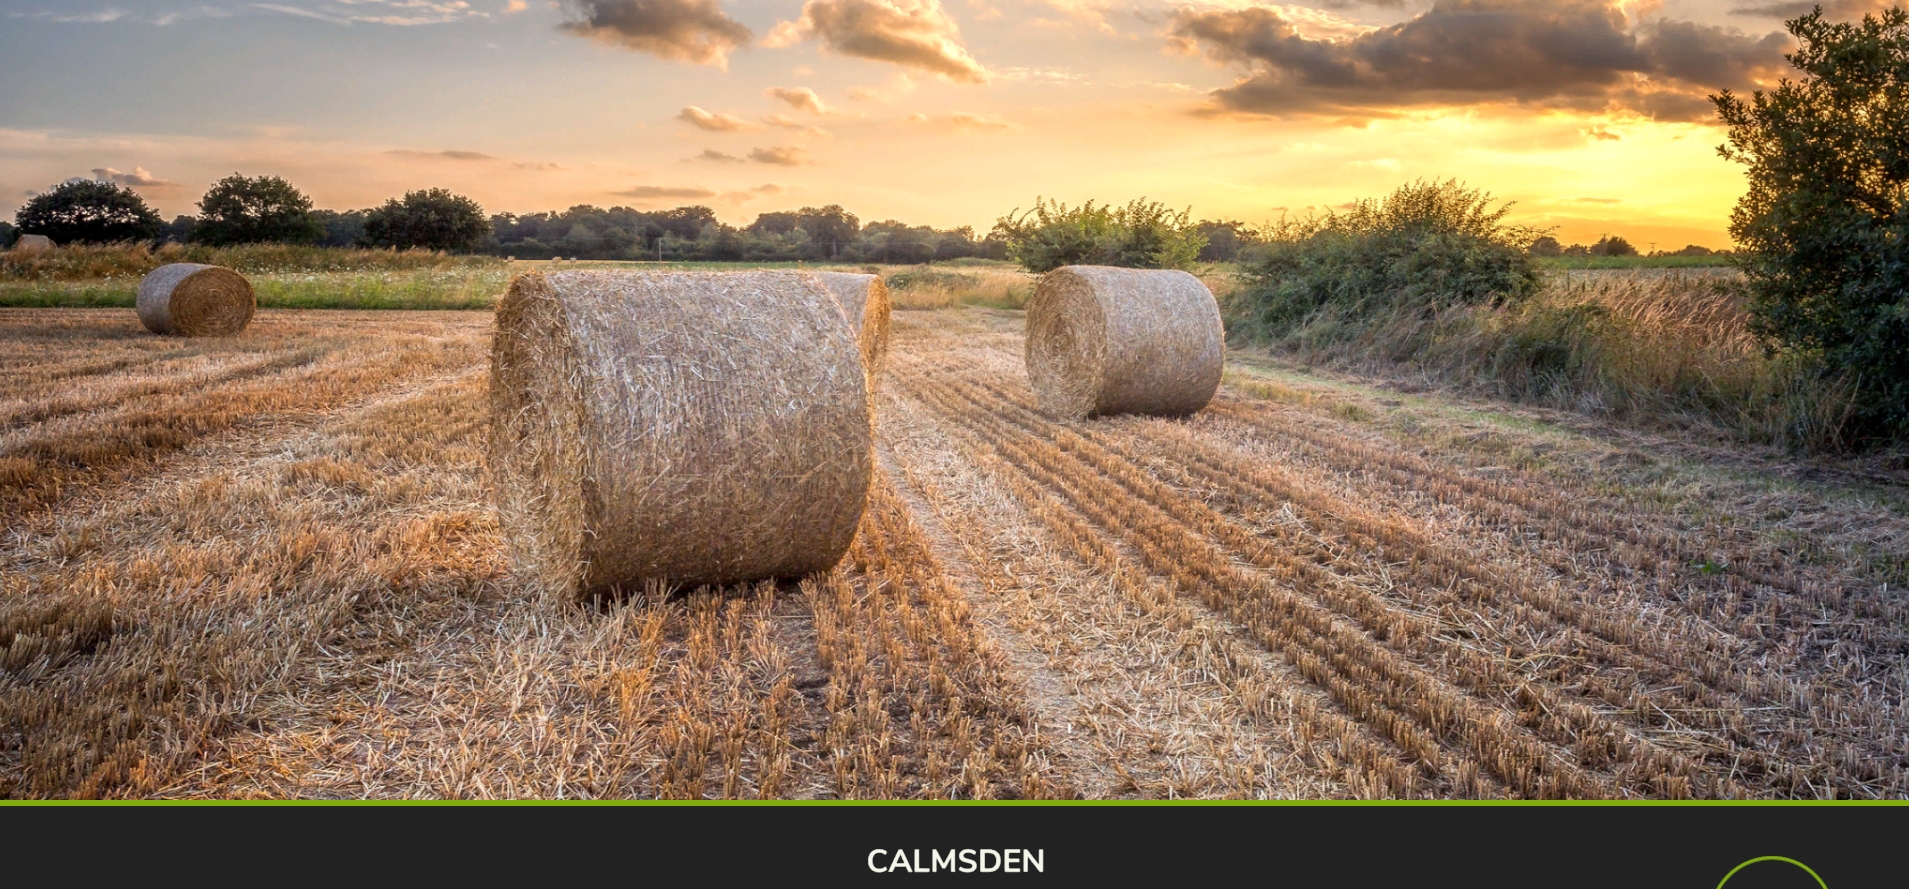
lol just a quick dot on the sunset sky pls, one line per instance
(1590, 114)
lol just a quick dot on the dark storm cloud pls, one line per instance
(1556, 53)
(685, 30)
(1833, 10)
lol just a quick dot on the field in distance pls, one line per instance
(290, 277)
(268, 566)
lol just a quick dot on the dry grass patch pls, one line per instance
(1315, 587)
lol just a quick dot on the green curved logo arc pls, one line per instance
(1805, 867)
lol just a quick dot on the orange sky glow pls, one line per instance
(1590, 115)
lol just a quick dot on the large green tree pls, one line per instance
(434, 219)
(266, 209)
(1824, 226)
(84, 211)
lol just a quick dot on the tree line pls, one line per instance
(267, 209)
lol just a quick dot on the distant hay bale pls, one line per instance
(1106, 340)
(681, 427)
(864, 299)
(190, 299)
(33, 244)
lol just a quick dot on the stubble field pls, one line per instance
(268, 566)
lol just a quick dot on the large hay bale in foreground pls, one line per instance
(864, 299)
(682, 427)
(32, 244)
(1106, 340)
(190, 299)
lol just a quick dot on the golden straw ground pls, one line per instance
(270, 566)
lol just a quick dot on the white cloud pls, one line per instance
(713, 121)
(138, 177)
(401, 13)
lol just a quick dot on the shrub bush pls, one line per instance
(1141, 235)
(1425, 247)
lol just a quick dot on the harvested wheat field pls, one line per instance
(270, 565)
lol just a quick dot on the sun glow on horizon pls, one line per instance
(944, 114)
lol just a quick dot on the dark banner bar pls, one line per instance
(1705, 846)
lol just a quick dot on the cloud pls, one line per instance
(1833, 10)
(448, 155)
(911, 33)
(470, 156)
(781, 155)
(1055, 76)
(1582, 54)
(662, 192)
(789, 123)
(404, 12)
(515, 6)
(113, 14)
(682, 30)
(964, 120)
(711, 154)
(705, 120)
(750, 194)
(1602, 134)
(202, 12)
(968, 121)
(101, 17)
(138, 177)
(801, 98)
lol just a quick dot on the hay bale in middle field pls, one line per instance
(191, 299)
(33, 244)
(864, 299)
(684, 427)
(1103, 340)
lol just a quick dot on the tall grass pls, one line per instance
(112, 262)
(1657, 346)
(394, 288)
(997, 286)
(1712, 261)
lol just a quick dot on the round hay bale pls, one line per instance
(682, 427)
(33, 244)
(190, 299)
(1106, 340)
(864, 300)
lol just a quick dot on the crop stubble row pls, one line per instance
(1614, 712)
(283, 579)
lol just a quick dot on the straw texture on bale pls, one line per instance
(1106, 340)
(864, 299)
(686, 427)
(32, 244)
(190, 299)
